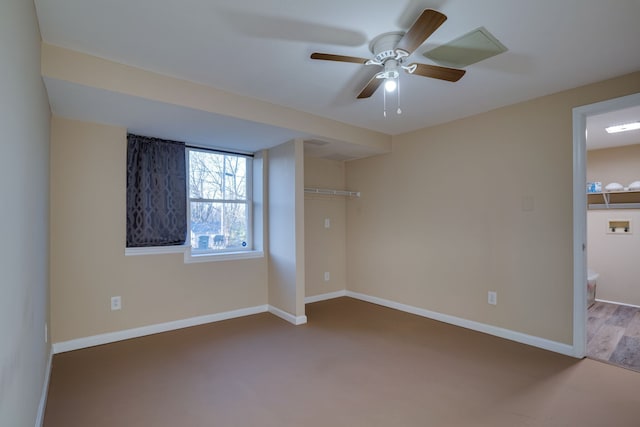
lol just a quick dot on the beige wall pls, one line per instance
(88, 265)
(483, 203)
(614, 256)
(325, 248)
(286, 227)
(24, 173)
(619, 164)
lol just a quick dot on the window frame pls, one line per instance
(199, 255)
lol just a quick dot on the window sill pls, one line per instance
(156, 250)
(189, 258)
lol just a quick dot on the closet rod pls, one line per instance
(329, 192)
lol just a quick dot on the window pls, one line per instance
(220, 204)
(213, 190)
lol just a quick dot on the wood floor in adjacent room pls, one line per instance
(353, 364)
(613, 334)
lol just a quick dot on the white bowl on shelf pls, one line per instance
(614, 186)
(634, 186)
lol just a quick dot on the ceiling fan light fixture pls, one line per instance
(390, 84)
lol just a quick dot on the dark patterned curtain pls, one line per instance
(156, 192)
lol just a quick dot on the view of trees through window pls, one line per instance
(218, 201)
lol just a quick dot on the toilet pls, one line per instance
(592, 277)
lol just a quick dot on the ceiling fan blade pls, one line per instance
(339, 58)
(438, 72)
(424, 26)
(371, 87)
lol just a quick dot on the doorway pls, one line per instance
(580, 118)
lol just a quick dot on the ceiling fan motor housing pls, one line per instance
(384, 46)
(390, 70)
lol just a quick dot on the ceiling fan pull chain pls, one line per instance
(399, 111)
(384, 103)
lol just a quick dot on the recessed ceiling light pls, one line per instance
(623, 128)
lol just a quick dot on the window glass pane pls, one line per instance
(235, 173)
(235, 225)
(217, 176)
(218, 226)
(205, 221)
(223, 224)
(204, 175)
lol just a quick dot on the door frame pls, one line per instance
(580, 115)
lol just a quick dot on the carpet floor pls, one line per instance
(352, 364)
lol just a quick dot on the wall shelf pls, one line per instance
(614, 200)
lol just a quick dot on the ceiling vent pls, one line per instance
(339, 157)
(468, 49)
(316, 142)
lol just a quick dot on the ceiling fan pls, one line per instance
(391, 50)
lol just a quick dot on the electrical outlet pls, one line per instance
(116, 303)
(327, 276)
(327, 223)
(492, 298)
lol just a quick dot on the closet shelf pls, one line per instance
(614, 200)
(329, 192)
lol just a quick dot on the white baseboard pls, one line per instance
(323, 297)
(617, 303)
(61, 347)
(534, 341)
(45, 391)
(296, 320)
(76, 344)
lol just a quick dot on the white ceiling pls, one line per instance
(261, 48)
